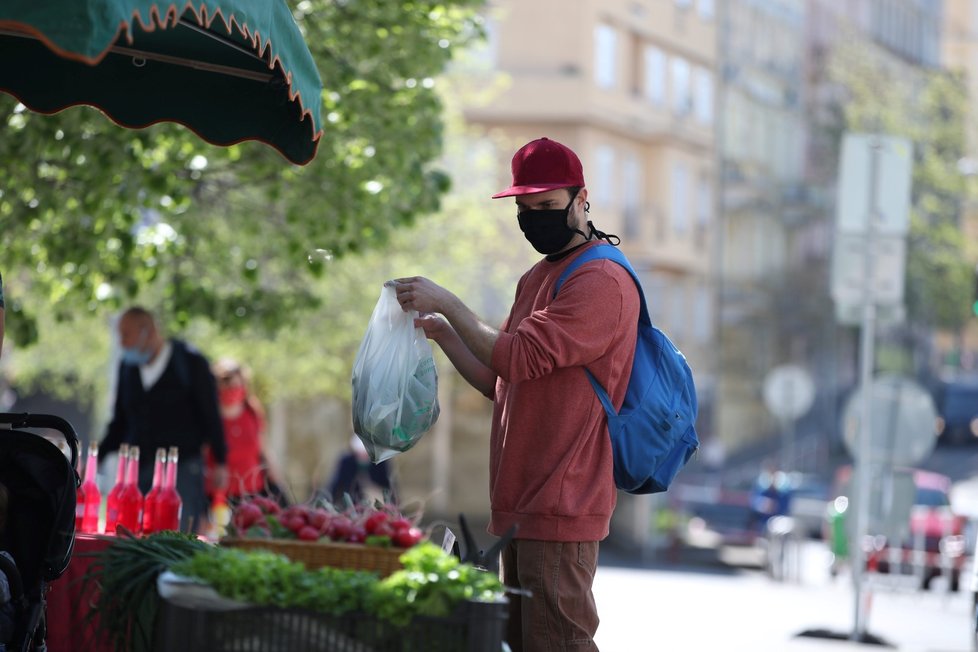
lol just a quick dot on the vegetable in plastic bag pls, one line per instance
(395, 385)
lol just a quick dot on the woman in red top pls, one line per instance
(244, 426)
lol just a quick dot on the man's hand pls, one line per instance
(421, 294)
(435, 328)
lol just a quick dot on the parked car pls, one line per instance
(936, 543)
(717, 517)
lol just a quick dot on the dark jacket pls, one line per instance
(351, 477)
(181, 409)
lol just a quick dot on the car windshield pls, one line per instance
(930, 498)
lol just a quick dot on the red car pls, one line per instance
(936, 543)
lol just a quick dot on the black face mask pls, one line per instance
(547, 230)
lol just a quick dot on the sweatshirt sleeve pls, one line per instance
(577, 327)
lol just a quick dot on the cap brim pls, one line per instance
(513, 191)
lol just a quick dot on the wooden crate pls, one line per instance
(315, 554)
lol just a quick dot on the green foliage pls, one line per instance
(431, 583)
(260, 577)
(929, 108)
(277, 265)
(96, 216)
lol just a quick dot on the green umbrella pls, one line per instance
(230, 70)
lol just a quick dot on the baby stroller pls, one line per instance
(40, 526)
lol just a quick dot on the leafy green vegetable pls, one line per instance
(260, 577)
(432, 583)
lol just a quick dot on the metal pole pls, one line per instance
(866, 349)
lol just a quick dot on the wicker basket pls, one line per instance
(314, 554)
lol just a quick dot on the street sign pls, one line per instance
(851, 314)
(886, 279)
(857, 199)
(903, 423)
(891, 499)
(788, 391)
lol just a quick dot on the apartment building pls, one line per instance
(761, 146)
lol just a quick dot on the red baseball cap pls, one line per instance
(543, 165)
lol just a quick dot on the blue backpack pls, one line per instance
(654, 434)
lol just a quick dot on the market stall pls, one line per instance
(262, 588)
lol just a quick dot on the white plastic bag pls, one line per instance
(395, 385)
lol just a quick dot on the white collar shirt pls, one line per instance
(150, 373)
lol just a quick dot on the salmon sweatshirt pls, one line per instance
(550, 463)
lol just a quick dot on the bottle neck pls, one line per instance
(171, 473)
(158, 471)
(91, 465)
(132, 471)
(120, 472)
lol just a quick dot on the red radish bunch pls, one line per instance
(379, 524)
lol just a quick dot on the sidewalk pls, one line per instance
(734, 610)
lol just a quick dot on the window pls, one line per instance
(706, 9)
(680, 203)
(677, 309)
(702, 315)
(604, 188)
(681, 101)
(683, 4)
(605, 56)
(704, 95)
(632, 193)
(704, 209)
(655, 75)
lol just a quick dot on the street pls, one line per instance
(740, 610)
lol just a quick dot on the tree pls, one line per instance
(92, 216)
(930, 108)
(471, 245)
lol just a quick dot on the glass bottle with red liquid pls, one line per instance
(91, 499)
(149, 502)
(112, 502)
(131, 498)
(79, 498)
(169, 505)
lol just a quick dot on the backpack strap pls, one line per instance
(606, 252)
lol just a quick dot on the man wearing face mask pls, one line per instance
(166, 396)
(550, 460)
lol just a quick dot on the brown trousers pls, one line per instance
(560, 614)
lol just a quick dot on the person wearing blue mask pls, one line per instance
(167, 396)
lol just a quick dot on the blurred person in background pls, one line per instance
(248, 469)
(357, 476)
(166, 396)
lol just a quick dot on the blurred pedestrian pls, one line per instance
(550, 459)
(248, 468)
(166, 396)
(357, 476)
